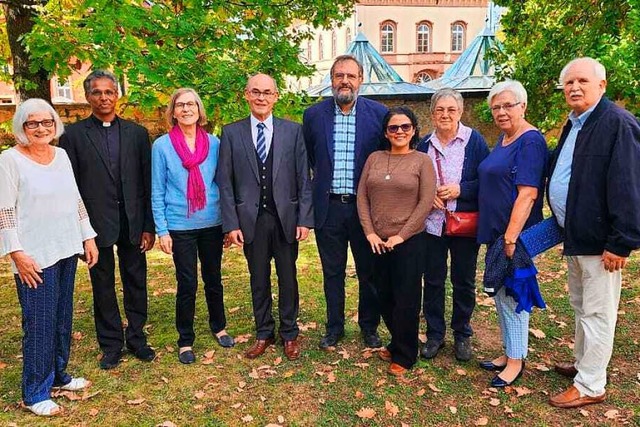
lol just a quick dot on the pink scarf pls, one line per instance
(196, 191)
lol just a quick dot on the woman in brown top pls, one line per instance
(395, 195)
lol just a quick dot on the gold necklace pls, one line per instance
(387, 177)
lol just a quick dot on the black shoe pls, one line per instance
(145, 353)
(225, 341)
(488, 365)
(431, 348)
(187, 357)
(330, 340)
(110, 360)
(499, 382)
(462, 349)
(371, 339)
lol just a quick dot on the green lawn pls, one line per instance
(342, 388)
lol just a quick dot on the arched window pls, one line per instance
(334, 44)
(387, 37)
(423, 33)
(348, 39)
(320, 48)
(457, 36)
(423, 77)
(309, 51)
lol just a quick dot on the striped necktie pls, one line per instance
(261, 145)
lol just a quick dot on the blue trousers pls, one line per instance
(47, 312)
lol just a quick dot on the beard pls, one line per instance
(343, 98)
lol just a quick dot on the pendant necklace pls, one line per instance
(387, 177)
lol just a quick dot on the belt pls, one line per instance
(343, 198)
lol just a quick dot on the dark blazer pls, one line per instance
(318, 124)
(604, 188)
(89, 159)
(474, 153)
(239, 183)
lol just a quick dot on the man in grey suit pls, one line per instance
(265, 195)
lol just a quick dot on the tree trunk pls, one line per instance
(20, 21)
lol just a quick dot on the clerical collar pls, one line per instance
(104, 124)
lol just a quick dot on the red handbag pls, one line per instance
(457, 224)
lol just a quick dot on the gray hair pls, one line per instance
(27, 108)
(99, 74)
(171, 121)
(512, 86)
(598, 69)
(446, 92)
(275, 84)
(343, 58)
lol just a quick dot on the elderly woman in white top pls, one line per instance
(43, 227)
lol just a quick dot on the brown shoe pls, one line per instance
(384, 354)
(396, 370)
(571, 398)
(258, 348)
(292, 349)
(566, 369)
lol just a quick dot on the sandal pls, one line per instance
(46, 408)
(76, 384)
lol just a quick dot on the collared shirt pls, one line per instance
(559, 184)
(451, 164)
(268, 131)
(344, 141)
(110, 132)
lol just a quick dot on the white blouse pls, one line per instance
(41, 211)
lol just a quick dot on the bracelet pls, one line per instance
(508, 242)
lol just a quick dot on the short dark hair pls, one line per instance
(400, 111)
(343, 58)
(98, 74)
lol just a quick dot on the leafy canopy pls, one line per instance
(540, 37)
(209, 45)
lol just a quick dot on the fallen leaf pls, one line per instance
(247, 418)
(362, 365)
(280, 419)
(366, 413)
(273, 425)
(461, 372)
(254, 374)
(482, 421)
(169, 349)
(288, 374)
(4, 365)
(331, 377)
(508, 410)
(236, 405)
(380, 382)
(420, 392)
(86, 395)
(391, 408)
(242, 338)
(434, 388)
(422, 338)
(537, 333)
(494, 402)
(612, 414)
(136, 401)
(277, 361)
(209, 354)
(344, 353)
(166, 424)
(93, 412)
(233, 310)
(263, 399)
(242, 384)
(542, 368)
(199, 394)
(77, 335)
(584, 413)
(198, 407)
(521, 391)
(453, 409)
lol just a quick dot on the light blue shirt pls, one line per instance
(268, 131)
(344, 146)
(559, 184)
(169, 189)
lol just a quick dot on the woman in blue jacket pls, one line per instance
(456, 151)
(186, 210)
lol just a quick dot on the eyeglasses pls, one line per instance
(33, 124)
(440, 111)
(108, 93)
(255, 93)
(184, 105)
(341, 76)
(405, 127)
(506, 107)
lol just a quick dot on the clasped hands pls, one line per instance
(379, 246)
(444, 193)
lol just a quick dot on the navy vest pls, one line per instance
(265, 172)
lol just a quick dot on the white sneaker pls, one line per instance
(46, 408)
(76, 384)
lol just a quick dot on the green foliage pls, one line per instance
(210, 45)
(540, 37)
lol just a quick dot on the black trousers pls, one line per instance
(342, 228)
(398, 275)
(133, 273)
(189, 246)
(464, 256)
(269, 242)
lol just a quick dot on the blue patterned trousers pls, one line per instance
(47, 313)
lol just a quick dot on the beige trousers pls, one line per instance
(594, 294)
